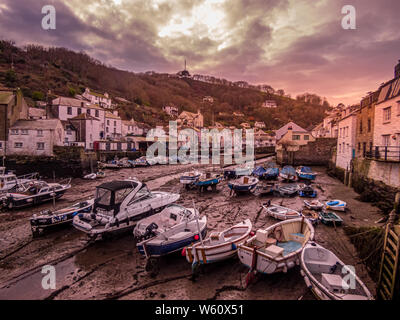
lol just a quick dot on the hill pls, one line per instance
(46, 72)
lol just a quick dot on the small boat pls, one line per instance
(219, 245)
(324, 272)
(259, 172)
(243, 184)
(271, 171)
(119, 205)
(208, 180)
(230, 174)
(124, 163)
(100, 174)
(330, 218)
(34, 193)
(288, 174)
(189, 178)
(305, 173)
(313, 204)
(280, 213)
(307, 191)
(47, 218)
(337, 205)
(276, 248)
(113, 164)
(243, 171)
(175, 238)
(265, 188)
(311, 215)
(141, 162)
(288, 190)
(90, 176)
(9, 181)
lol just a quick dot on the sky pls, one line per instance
(295, 45)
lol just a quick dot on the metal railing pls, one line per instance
(387, 153)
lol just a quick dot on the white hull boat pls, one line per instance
(243, 184)
(313, 204)
(281, 213)
(323, 273)
(9, 181)
(337, 205)
(219, 245)
(189, 178)
(277, 248)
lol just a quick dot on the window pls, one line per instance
(369, 125)
(40, 146)
(88, 111)
(24, 131)
(296, 137)
(69, 110)
(18, 145)
(40, 133)
(340, 148)
(115, 123)
(69, 132)
(359, 146)
(306, 137)
(108, 122)
(361, 126)
(1, 145)
(79, 110)
(386, 140)
(107, 129)
(14, 131)
(97, 113)
(387, 114)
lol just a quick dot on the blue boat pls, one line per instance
(288, 173)
(307, 192)
(259, 172)
(305, 173)
(271, 173)
(243, 184)
(208, 180)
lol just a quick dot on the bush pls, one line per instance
(37, 96)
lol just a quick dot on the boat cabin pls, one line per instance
(7, 179)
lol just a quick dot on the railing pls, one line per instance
(387, 153)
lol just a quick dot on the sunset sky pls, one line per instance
(296, 45)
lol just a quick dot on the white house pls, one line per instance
(191, 119)
(289, 126)
(103, 100)
(269, 104)
(131, 128)
(88, 130)
(171, 110)
(35, 137)
(208, 99)
(264, 139)
(346, 143)
(259, 124)
(113, 126)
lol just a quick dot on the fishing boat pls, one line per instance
(189, 178)
(288, 190)
(280, 213)
(324, 273)
(305, 173)
(47, 219)
(243, 184)
(307, 191)
(288, 174)
(311, 215)
(337, 205)
(119, 205)
(265, 188)
(34, 193)
(8, 180)
(276, 248)
(219, 245)
(313, 204)
(330, 218)
(208, 180)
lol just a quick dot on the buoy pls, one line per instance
(196, 237)
(183, 252)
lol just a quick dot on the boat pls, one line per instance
(307, 191)
(265, 188)
(243, 171)
(337, 205)
(313, 204)
(219, 245)
(288, 190)
(280, 213)
(229, 174)
(305, 173)
(124, 163)
(90, 176)
(119, 205)
(48, 218)
(288, 174)
(175, 238)
(34, 193)
(208, 180)
(271, 171)
(113, 164)
(189, 178)
(259, 172)
(276, 248)
(8, 180)
(243, 184)
(141, 162)
(324, 273)
(100, 174)
(330, 218)
(310, 215)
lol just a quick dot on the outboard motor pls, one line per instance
(149, 232)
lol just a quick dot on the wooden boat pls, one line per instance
(337, 205)
(219, 245)
(189, 178)
(265, 188)
(280, 213)
(313, 204)
(277, 248)
(208, 180)
(47, 219)
(288, 174)
(307, 191)
(243, 184)
(310, 215)
(330, 218)
(288, 190)
(305, 173)
(323, 272)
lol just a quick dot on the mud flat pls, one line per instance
(114, 269)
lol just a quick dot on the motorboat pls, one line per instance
(280, 212)
(305, 173)
(8, 180)
(243, 184)
(288, 174)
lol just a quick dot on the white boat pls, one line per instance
(189, 178)
(277, 248)
(90, 176)
(281, 213)
(337, 205)
(288, 190)
(219, 245)
(313, 204)
(8, 180)
(119, 205)
(243, 184)
(324, 273)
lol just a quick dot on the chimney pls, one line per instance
(397, 70)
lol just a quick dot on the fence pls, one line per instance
(387, 153)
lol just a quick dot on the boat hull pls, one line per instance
(15, 201)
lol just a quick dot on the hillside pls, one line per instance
(40, 71)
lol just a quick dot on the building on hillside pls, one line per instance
(171, 110)
(328, 128)
(103, 100)
(259, 124)
(365, 125)
(113, 126)
(264, 139)
(289, 126)
(238, 114)
(295, 138)
(208, 99)
(346, 142)
(70, 134)
(195, 120)
(37, 114)
(269, 104)
(88, 130)
(35, 137)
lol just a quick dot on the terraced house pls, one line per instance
(103, 100)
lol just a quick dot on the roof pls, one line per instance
(84, 116)
(69, 102)
(112, 116)
(96, 94)
(189, 114)
(6, 97)
(118, 185)
(37, 112)
(282, 131)
(389, 90)
(49, 124)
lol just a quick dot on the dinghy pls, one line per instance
(265, 188)
(307, 191)
(280, 213)
(119, 205)
(243, 184)
(311, 215)
(189, 178)
(288, 174)
(113, 164)
(277, 248)
(330, 218)
(305, 173)
(313, 204)
(337, 205)
(47, 218)
(324, 273)
(208, 180)
(219, 245)
(288, 190)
